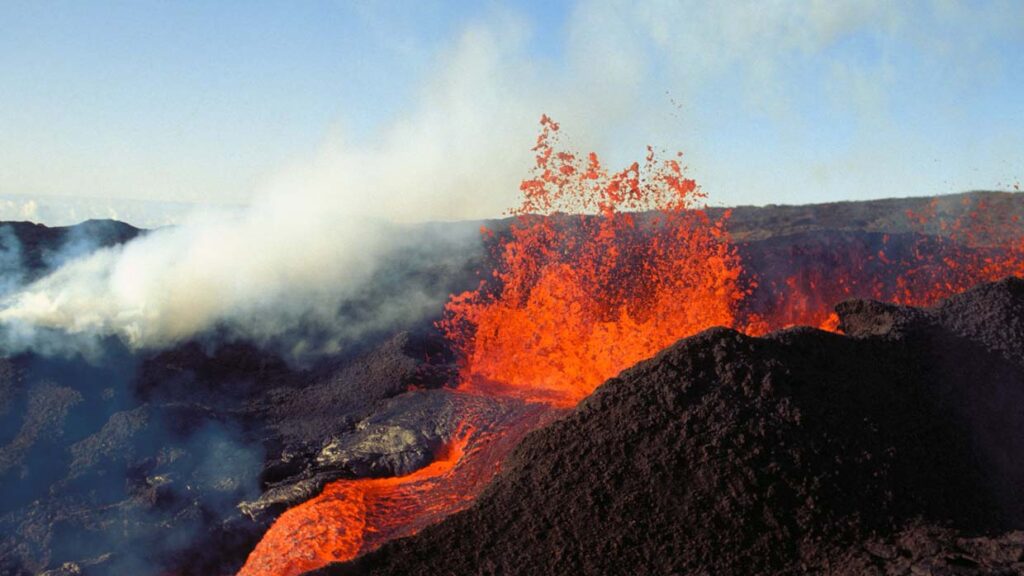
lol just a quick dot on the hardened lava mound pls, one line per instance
(890, 449)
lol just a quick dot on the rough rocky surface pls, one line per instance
(931, 550)
(139, 469)
(175, 461)
(891, 450)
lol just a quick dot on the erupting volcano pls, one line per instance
(600, 270)
(512, 288)
(597, 270)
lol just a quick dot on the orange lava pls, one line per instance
(585, 286)
(350, 517)
(598, 271)
(980, 246)
(949, 254)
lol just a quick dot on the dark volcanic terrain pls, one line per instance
(891, 449)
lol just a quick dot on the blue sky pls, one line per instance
(428, 109)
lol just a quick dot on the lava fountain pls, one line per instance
(598, 270)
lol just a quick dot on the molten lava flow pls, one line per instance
(352, 517)
(943, 255)
(584, 286)
(597, 271)
(981, 245)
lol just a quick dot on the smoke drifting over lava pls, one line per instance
(280, 274)
(312, 239)
(258, 276)
(598, 270)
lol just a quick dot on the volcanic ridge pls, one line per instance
(890, 449)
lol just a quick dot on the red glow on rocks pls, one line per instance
(353, 516)
(601, 269)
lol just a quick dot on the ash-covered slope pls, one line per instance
(892, 450)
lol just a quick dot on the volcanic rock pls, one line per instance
(889, 450)
(888, 215)
(401, 435)
(139, 465)
(38, 248)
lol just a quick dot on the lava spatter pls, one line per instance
(599, 270)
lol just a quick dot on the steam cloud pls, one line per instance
(311, 242)
(314, 238)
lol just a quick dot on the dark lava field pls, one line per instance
(893, 447)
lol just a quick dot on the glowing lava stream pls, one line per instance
(598, 271)
(334, 526)
(352, 517)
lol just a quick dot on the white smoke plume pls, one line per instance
(305, 246)
(315, 236)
